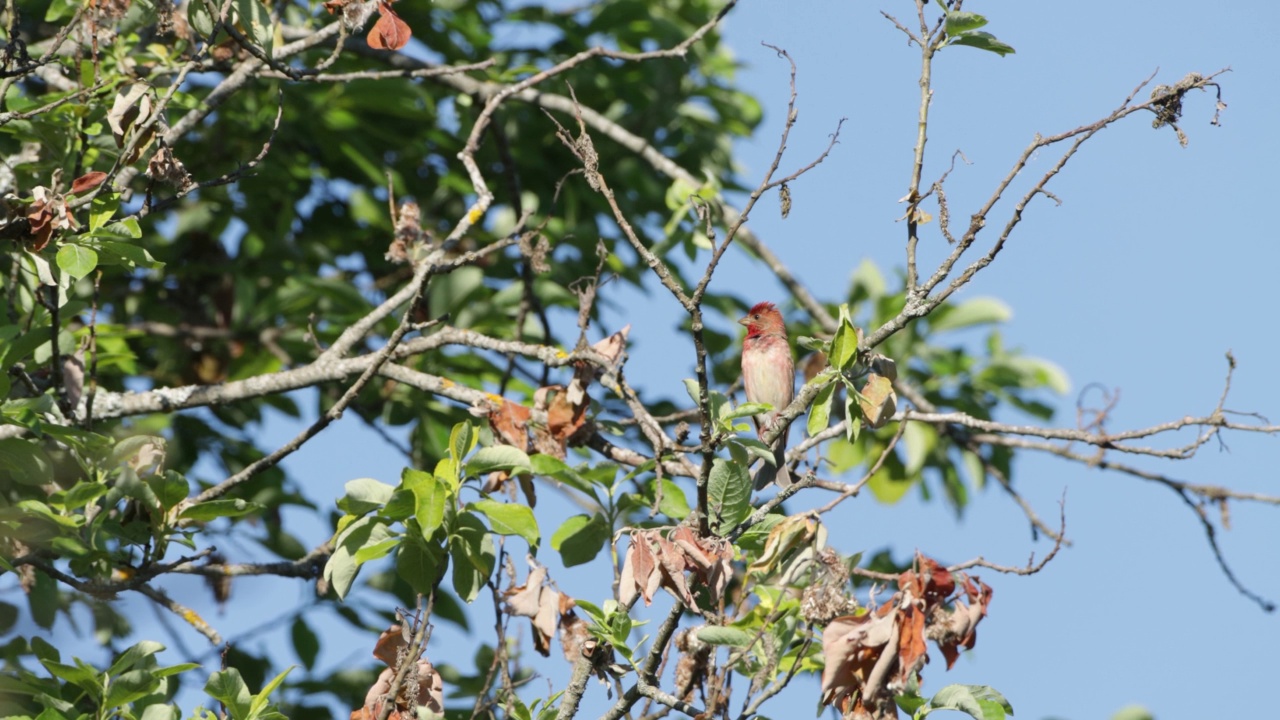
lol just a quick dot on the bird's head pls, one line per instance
(763, 319)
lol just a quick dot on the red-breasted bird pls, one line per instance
(770, 377)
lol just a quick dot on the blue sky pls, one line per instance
(1158, 261)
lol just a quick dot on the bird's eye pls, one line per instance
(756, 316)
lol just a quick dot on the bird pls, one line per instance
(768, 372)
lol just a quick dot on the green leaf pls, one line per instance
(129, 255)
(843, 455)
(421, 563)
(580, 538)
(978, 311)
(979, 701)
(753, 447)
(365, 494)
(76, 261)
(430, 495)
(820, 411)
(261, 699)
(920, 439)
(170, 488)
(342, 567)
(498, 457)
(982, 41)
(102, 209)
(81, 676)
(674, 504)
(728, 493)
(719, 635)
(59, 9)
(373, 551)
(401, 506)
(24, 462)
(745, 410)
(127, 227)
(462, 439)
(509, 519)
(160, 711)
(227, 687)
(550, 466)
(127, 687)
(39, 646)
(253, 15)
(889, 483)
(137, 653)
(962, 22)
(974, 468)
(473, 554)
(212, 509)
(844, 346)
(165, 672)
(1044, 373)
(201, 17)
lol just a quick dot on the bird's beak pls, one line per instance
(744, 320)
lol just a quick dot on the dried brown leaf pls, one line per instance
(87, 181)
(523, 601)
(878, 400)
(546, 621)
(851, 645)
(510, 424)
(389, 644)
(389, 32)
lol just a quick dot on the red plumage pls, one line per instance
(768, 373)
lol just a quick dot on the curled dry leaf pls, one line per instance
(389, 644)
(420, 694)
(430, 695)
(509, 422)
(796, 531)
(653, 561)
(87, 182)
(878, 401)
(926, 607)
(851, 646)
(389, 32)
(132, 108)
(883, 365)
(47, 213)
(548, 610)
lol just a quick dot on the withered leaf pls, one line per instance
(509, 422)
(673, 564)
(878, 401)
(523, 600)
(851, 645)
(545, 607)
(389, 32)
(389, 644)
(87, 181)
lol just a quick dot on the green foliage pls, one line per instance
(978, 701)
